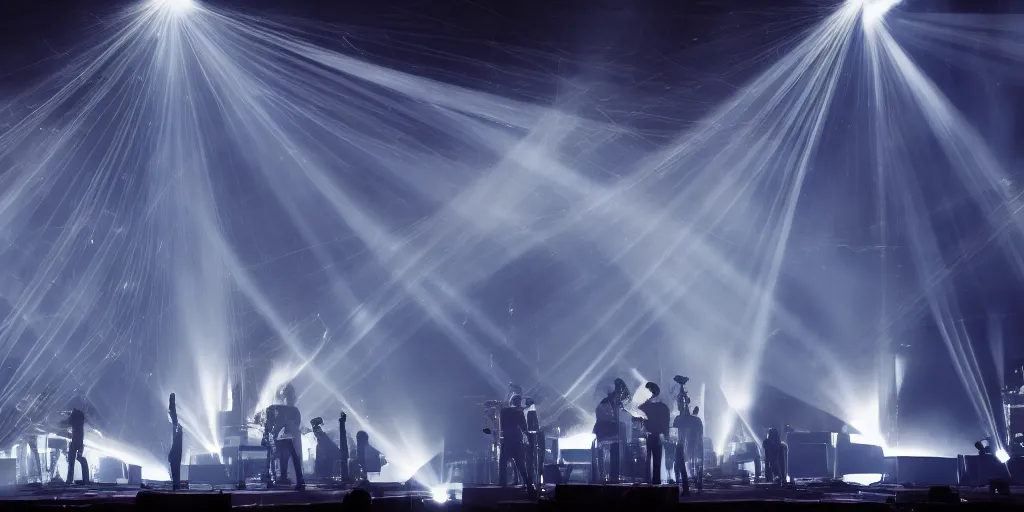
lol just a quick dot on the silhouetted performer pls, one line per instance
(658, 417)
(326, 450)
(691, 435)
(76, 420)
(607, 431)
(284, 422)
(362, 443)
(513, 445)
(343, 445)
(174, 456)
(534, 459)
(775, 454)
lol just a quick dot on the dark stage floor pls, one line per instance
(569, 497)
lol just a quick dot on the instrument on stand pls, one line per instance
(492, 427)
(1013, 415)
(682, 397)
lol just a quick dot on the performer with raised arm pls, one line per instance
(326, 450)
(690, 434)
(174, 456)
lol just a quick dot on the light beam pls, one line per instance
(873, 11)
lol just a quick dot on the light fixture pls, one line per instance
(439, 494)
(1002, 456)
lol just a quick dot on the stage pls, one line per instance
(566, 497)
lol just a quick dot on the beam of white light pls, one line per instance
(152, 467)
(896, 76)
(874, 11)
(174, 7)
(699, 235)
(228, 73)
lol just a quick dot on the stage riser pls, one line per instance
(490, 496)
(603, 495)
(209, 474)
(177, 502)
(922, 471)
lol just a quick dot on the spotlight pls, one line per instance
(439, 494)
(175, 6)
(984, 446)
(873, 11)
(1002, 456)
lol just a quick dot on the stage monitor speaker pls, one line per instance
(922, 471)
(134, 474)
(576, 456)
(110, 470)
(807, 460)
(979, 470)
(210, 474)
(1016, 468)
(158, 501)
(829, 439)
(859, 459)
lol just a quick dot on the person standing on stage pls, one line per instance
(657, 426)
(76, 421)
(535, 442)
(326, 450)
(775, 454)
(343, 447)
(691, 440)
(284, 423)
(513, 442)
(608, 433)
(174, 456)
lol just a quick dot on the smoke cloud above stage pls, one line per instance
(811, 212)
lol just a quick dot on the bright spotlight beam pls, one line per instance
(175, 6)
(874, 11)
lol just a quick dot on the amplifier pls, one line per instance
(210, 474)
